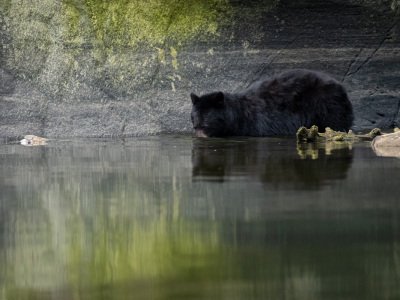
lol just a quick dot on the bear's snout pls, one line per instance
(200, 133)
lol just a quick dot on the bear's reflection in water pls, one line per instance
(278, 163)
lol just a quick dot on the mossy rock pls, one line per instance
(313, 135)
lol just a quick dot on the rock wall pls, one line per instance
(95, 68)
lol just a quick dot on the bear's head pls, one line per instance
(209, 114)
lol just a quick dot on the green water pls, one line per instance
(182, 218)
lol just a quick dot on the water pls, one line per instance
(182, 218)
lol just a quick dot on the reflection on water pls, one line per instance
(182, 218)
(279, 165)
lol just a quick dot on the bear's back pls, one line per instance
(305, 97)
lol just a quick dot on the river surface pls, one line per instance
(175, 217)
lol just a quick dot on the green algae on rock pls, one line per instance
(312, 135)
(129, 23)
(97, 49)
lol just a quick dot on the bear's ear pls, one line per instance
(195, 98)
(219, 99)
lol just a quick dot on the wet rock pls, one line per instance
(377, 111)
(387, 145)
(33, 140)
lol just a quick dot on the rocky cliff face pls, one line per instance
(124, 68)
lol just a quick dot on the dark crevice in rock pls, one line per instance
(351, 64)
(372, 54)
(396, 121)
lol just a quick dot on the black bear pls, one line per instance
(274, 106)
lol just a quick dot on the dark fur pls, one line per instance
(274, 106)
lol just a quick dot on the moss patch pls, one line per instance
(119, 23)
(90, 48)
